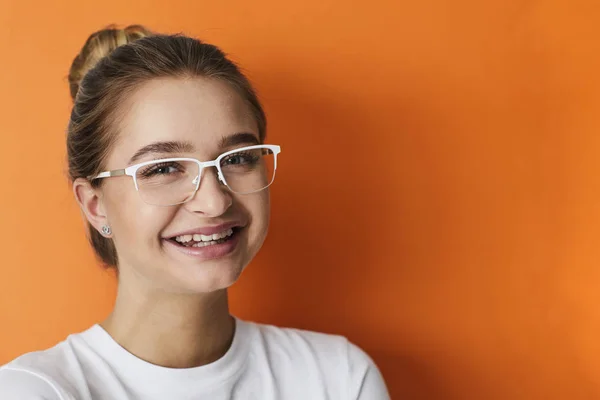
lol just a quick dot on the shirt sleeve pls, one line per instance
(366, 381)
(22, 384)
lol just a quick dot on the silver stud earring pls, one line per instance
(106, 230)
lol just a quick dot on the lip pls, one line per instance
(206, 230)
(210, 252)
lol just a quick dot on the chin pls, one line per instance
(208, 276)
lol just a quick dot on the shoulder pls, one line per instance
(21, 383)
(334, 349)
(335, 357)
(40, 375)
(300, 339)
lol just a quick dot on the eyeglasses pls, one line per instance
(172, 181)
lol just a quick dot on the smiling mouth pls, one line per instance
(198, 240)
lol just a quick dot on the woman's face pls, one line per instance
(203, 114)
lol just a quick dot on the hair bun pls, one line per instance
(99, 45)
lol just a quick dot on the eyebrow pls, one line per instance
(162, 147)
(239, 138)
(171, 147)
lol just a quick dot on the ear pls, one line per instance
(90, 202)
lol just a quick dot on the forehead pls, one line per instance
(197, 110)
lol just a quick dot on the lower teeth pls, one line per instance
(204, 244)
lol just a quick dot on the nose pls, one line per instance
(212, 197)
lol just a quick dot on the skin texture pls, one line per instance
(171, 308)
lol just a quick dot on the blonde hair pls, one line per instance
(99, 45)
(111, 65)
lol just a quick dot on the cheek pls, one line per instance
(258, 206)
(133, 221)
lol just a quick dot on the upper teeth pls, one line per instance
(204, 238)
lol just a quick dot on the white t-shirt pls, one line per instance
(263, 363)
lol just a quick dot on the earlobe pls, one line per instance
(90, 202)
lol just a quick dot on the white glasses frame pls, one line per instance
(132, 170)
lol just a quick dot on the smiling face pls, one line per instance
(197, 118)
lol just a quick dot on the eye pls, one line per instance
(243, 158)
(235, 159)
(161, 169)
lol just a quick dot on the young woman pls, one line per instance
(167, 155)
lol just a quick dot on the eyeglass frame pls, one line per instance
(132, 170)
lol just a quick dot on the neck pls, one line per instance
(172, 330)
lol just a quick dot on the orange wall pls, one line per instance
(438, 197)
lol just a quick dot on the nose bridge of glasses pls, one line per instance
(208, 164)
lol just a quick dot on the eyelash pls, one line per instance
(245, 154)
(151, 169)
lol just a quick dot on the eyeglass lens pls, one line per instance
(174, 182)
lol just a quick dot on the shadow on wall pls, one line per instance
(326, 207)
(409, 379)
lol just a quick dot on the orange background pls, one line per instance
(437, 194)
